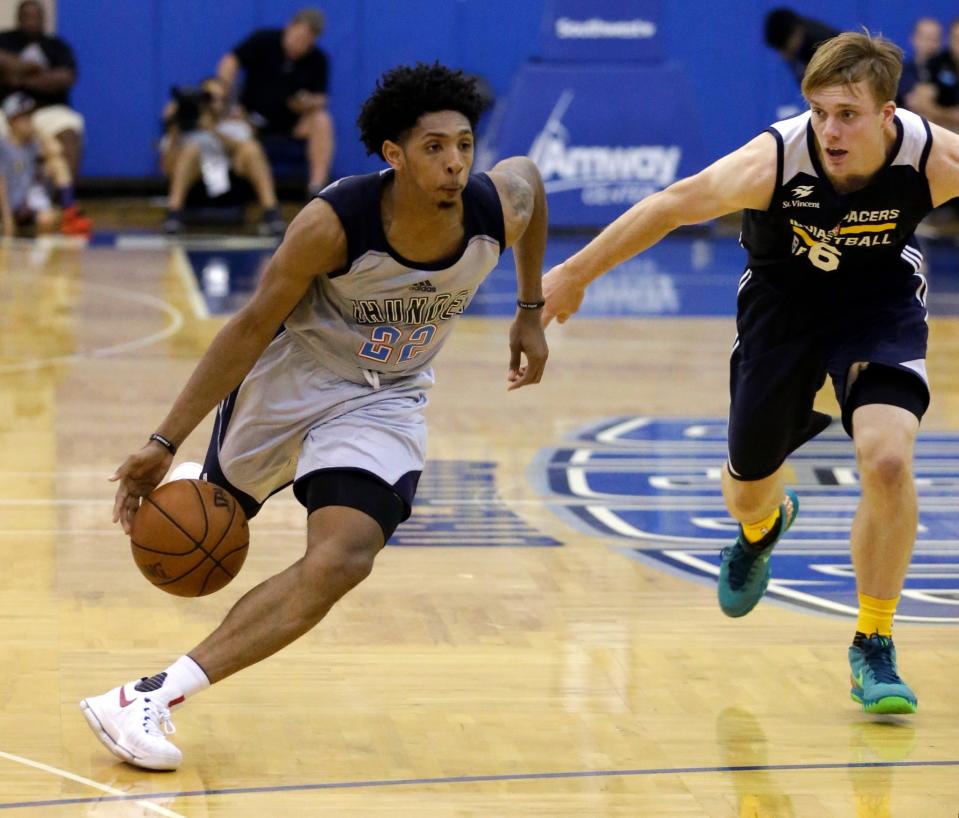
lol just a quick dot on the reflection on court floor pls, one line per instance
(457, 504)
(693, 274)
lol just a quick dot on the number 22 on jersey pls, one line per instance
(386, 340)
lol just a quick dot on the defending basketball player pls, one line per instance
(833, 286)
(321, 379)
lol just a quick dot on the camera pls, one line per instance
(191, 103)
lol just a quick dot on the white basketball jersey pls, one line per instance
(385, 314)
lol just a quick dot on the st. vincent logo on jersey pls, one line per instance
(800, 199)
(651, 486)
(605, 174)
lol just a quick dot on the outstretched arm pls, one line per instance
(740, 180)
(314, 244)
(521, 192)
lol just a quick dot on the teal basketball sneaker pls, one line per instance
(876, 683)
(744, 572)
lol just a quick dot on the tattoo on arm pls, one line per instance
(520, 195)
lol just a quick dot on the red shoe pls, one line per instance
(74, 223)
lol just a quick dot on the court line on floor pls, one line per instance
(480, 779)
(175, 322)
(184, 271)
(114, 793)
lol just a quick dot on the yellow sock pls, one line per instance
(875, 615)
(754, 532)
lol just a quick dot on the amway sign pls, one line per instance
(605, 174)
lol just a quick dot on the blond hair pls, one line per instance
(852, 57)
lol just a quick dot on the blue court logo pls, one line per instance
(653, 485)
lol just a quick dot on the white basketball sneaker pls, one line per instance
(133, 725)
(187, 470)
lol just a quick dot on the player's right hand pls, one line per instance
(563, 295)
(139, 474)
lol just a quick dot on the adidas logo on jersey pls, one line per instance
(425, 286)
(802, 191)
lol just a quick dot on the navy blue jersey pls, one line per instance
(813, 235)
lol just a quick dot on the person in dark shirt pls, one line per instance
(926, 42)
(937, 99)
(284, 90)
(795, 38)
(43, 67)
(833, 287)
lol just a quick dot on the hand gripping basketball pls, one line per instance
(189, 537)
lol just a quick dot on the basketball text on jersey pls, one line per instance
(865, 233)
(858, 228)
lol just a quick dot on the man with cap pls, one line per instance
(26, 162)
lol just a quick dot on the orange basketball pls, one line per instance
(189, 537)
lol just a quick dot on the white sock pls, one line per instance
(187, 470)
(182, 679)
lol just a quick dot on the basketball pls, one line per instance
(189, 537)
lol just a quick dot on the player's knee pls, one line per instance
(341, 565)
(883, 460)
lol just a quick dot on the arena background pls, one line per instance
(129, 54)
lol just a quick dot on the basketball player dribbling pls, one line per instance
(831, 199)
(321, 379)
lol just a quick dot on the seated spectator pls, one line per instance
(285, 84)
(44, 68)
(938, 98)
(796, 38)
(27, 165)
(926, 42)
(203, 142)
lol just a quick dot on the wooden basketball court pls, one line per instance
(469, 676)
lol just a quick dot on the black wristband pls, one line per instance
(166, 444)
(530, 305)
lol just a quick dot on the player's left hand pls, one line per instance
(526, 337)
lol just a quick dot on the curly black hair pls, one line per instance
(405, 93)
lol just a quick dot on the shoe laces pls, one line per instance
(877, 652)
(742, 560)
(156, 719)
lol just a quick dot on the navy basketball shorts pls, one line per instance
(786, 345)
